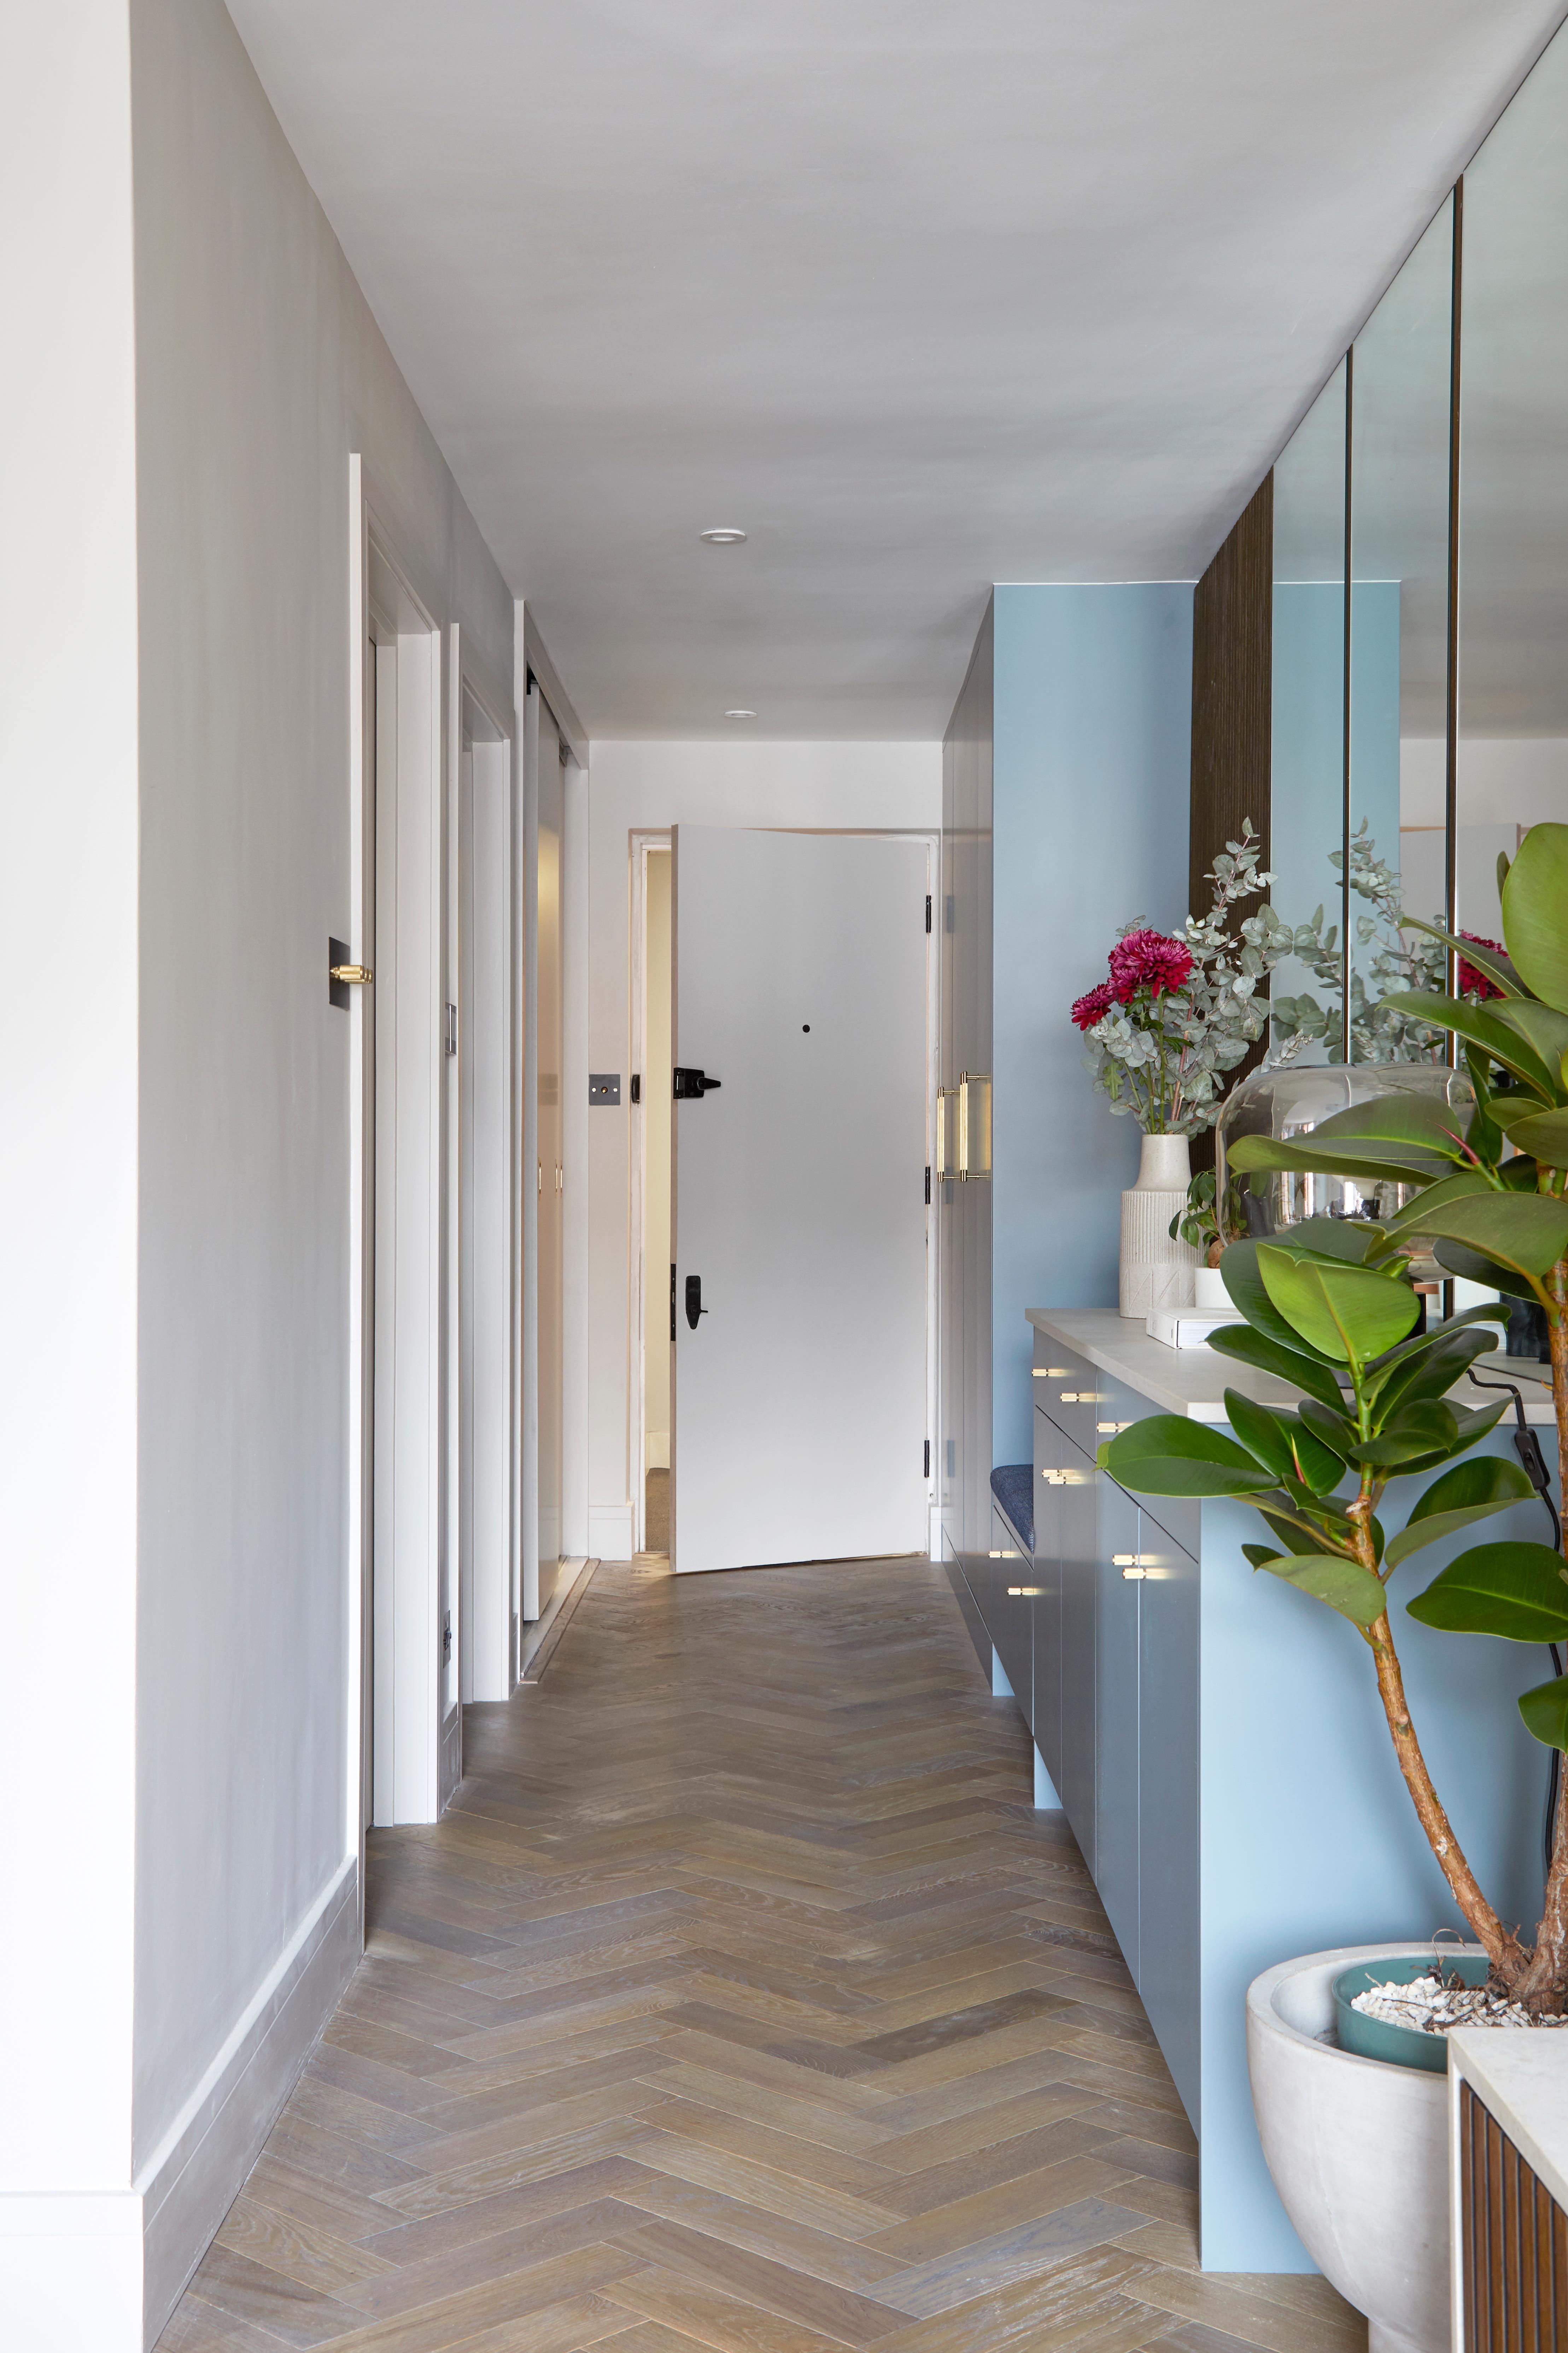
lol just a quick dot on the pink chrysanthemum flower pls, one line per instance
(1149, 959)
(1473, 981)
(1093, 1007)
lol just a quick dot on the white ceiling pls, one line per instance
(922, 293)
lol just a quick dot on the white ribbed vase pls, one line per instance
(1156, 1271)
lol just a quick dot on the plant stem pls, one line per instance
(1557, 1333)
(1544, 1986)
(1503, 1949)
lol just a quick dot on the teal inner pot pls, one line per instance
(1376, 2038)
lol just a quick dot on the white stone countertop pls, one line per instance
(1521, 2074)
(1192, 1381)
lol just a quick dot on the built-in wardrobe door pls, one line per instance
(549, 1176)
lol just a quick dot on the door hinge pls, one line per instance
(672, 1299)
(928, 1188)
(928, 911)
(451, 1028)
(927, 1472)
(446, 1636)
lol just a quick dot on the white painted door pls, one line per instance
(798, 1403)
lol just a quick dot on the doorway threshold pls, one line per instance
(538, 1640)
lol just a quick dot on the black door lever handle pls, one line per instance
(694, 1307)
(691, 1085)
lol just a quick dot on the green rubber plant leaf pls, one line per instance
(1545, 1712)
(1432, 1128)
(1517, 1592)
(1284, 1443)
(1345, 1585)
(1484, 959)
(1349, 1312)
(1410, 1435)
(1474, 1268)
(1287, 1536)
(1244, 1280)
(1481, 1028)
(1486, 1136)
(1525, 1231)
(1353, 1239)
(1542, 1134)
(1433, 1372)
(1168, 1455)
(1335, 1429)
(1248, 1346)
(1470, 1491)
(1535, 913)
(1541, 1026)
(1369, 1164)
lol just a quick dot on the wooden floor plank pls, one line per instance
(740, 2003)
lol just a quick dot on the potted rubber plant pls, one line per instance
(1356, 2146)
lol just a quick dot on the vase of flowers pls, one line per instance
(1174, 1014)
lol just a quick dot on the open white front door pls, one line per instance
(798, 1216)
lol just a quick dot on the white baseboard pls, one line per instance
(610, 1531)
(94, 2272)
(655, 1450)
(193, 2176)
(70, 2272)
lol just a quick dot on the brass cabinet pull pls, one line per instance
(358, 975)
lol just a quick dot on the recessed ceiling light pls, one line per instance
(723, 534)
(740, 714)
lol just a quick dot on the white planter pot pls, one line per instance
(1359, 2152)
(1210, 1297)
(1156, 1271)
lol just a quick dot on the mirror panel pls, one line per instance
(1307, 736)
(1512, 752)
(1401, 414)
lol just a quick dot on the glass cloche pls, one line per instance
(1292, 1099)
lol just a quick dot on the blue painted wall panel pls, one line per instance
(1093, 733)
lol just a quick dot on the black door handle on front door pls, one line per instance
(691, 1085)
(694, 1307)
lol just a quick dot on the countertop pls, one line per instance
(1521, 2074)
(1192, 1381)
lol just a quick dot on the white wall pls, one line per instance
(176, 1345)
(642, 786)
(68, 1164)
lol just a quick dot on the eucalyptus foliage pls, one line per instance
(1329, 1307)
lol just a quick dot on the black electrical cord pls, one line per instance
(1527, 1446)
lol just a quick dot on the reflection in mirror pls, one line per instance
(1306, 745)
(1400, 418)
(1513, 501)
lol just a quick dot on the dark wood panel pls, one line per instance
(1513, 2243)
(1233, 643)
(1233, 636)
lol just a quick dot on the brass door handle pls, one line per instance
(356, 975)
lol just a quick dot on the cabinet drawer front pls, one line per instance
(1055, 1456)
(1087, 1405)
(1168, 1882)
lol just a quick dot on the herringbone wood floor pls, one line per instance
(741, 2001)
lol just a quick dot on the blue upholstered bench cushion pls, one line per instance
(1013, 1484)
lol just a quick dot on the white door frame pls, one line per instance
(640, 841)
(484, 1189)
(397, 869)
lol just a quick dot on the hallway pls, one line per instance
(740, 2000)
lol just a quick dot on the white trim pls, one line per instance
(641, 841)
(193, 2176)
(529, 1338)
(575, 1213)
(610, 1532)
(410, 1533)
